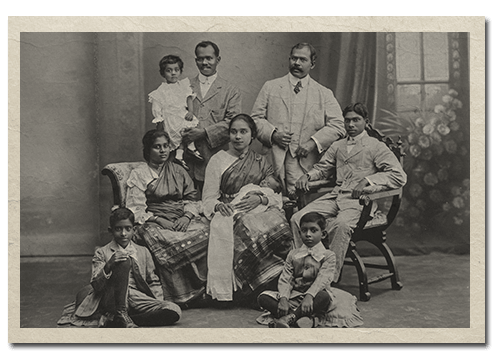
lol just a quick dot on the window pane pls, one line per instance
(408, 57)
(436, 56)
(409, 97)
(434, 95)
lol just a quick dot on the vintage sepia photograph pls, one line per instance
(192, 182)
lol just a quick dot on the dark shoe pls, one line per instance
(285, 322)
(123, 320)
(182, 163)
(195, 153)
(106, 320)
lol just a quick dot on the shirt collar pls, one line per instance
(317, 252)
(204, 79)
(358, 137)
(294, 80)
(130, 249)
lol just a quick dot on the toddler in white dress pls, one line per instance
(172, 107)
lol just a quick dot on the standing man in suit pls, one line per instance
(297, 117)
(216, 103)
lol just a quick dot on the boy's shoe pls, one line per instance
(123, 320)
(306, 322)
(195, 153)
(284, 322)
(181, 162)
(106, 320)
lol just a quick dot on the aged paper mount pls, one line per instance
(474, 25)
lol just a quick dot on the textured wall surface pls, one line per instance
(59, 176)
(120, 109)
(84, 105)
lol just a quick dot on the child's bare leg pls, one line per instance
(179, 153)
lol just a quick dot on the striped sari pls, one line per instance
(180, 257)
(246, 251)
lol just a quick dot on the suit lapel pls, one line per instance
(195, 84)
(311, 92)
(358, 147)
(213, 90)
(285, 92)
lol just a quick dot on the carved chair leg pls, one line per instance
(391, 262)
(364, 294)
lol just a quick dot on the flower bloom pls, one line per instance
(430, 179)
(424, 141)
(416, 190)
(413, 138)
(428, 129)
(421, 204)
(458, 202)
(466, 182)
(443, 174)
(439, 109)
(435, 196)
(454, 126)
(419, 122)
(438, 149)
(456, 190)
(444, 130)
(447, 98)
(426, 154)
(457, 103)
(450, 146)
(457, 220)
(451, 114)
(446, 206)
(453, 93)
(415, 151)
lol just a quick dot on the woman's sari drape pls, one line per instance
(180, 257)
(246, 251)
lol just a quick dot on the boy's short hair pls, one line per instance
(358, 108)
(314, 217)
(121, 213)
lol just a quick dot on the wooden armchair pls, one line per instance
(370, 229)
(118, 174)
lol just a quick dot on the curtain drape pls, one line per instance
(351, 67)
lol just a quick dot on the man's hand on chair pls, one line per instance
(303, 183)
(358, 190)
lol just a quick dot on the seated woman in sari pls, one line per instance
(246, 250)
(166, 205)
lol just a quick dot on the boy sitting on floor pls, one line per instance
(123, 281)
(304, 284)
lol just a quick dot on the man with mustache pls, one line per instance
(216, 103)
(297, 117)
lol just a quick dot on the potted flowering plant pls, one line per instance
(437, 195)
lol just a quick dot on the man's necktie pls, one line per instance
(297, 87)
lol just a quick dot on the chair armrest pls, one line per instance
(321, 183)
(367, 198)
(367, 201)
